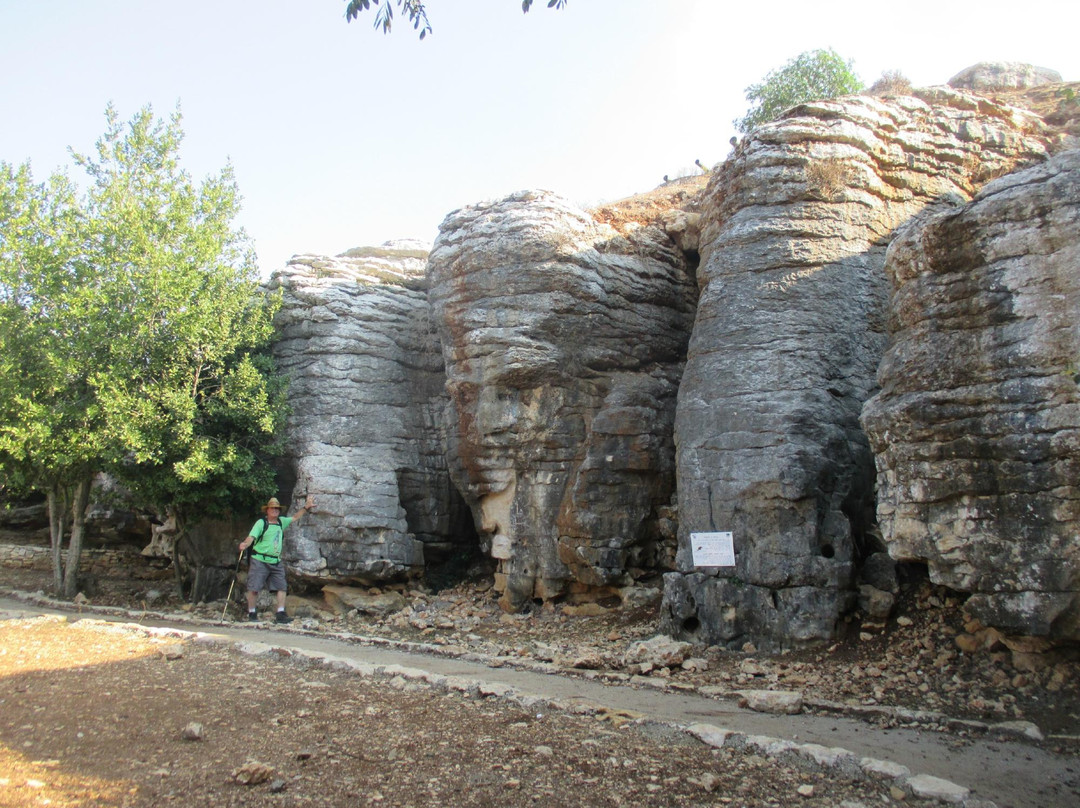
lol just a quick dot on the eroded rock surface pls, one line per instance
(977, 426)
(788, 335)
(366, 435)
(988, 76)
(564, 343)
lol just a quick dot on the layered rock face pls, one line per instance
(789, 332)
(977, 426)
(366, 434)
(564, 343)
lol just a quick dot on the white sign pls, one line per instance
(713, 549)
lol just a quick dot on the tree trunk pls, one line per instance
(79, 502)
(57, 503)
(211, 583)
(208, 581)
(179, 534)
(178, 574)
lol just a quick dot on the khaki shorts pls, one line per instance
(261, 574)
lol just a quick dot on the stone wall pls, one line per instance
(91, 561)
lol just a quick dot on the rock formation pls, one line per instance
(111, 520)
(542, 383)
(989, 76)
(366, 432)
(564, 343)
(977, 426)
(789, 331)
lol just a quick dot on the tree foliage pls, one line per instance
(810, 76)
(527, 4)
(50, 427)
(413, 10)
(133, 335)
(384, 13)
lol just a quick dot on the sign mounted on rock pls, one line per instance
(713, 549)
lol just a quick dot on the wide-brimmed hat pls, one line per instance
(273, 503)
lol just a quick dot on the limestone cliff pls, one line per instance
(789, 331)
(544, 381)
(564, 343)
(977, 426)
(856, 345)
(366, 431)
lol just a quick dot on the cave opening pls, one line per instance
(437, 515)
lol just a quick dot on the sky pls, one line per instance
(341, 136)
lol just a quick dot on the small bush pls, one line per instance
(828, 177)
(891, 83)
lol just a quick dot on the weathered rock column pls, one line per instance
(976, 430)
(366, 435)
(564, 343)
(789, 332)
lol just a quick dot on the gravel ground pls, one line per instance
(927, 657)
(335, 739)
(95, 715)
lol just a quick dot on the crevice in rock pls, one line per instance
(455, 556)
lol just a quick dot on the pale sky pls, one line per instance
(341, 136)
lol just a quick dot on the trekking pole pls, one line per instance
(229, 596)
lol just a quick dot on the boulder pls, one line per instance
(876, 604)
(18, 517)
(564, 343)
(879, 571)
(976, 429)
(342, 599)
(790, 327)
(366, 432)
(777, 702)
(989, 76)
(659, 651)
(193, 732)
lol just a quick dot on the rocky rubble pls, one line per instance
(930, 665)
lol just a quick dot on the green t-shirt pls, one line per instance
(268, 537)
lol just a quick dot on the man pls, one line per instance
(266, 567)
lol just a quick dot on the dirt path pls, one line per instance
(1007, 770)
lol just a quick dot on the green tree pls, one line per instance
(412, 9)
(810, 76)
(49, 424)
(134, 335)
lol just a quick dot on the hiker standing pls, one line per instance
(266, 567)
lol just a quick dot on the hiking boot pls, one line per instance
(253, 617)
(282, 618)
